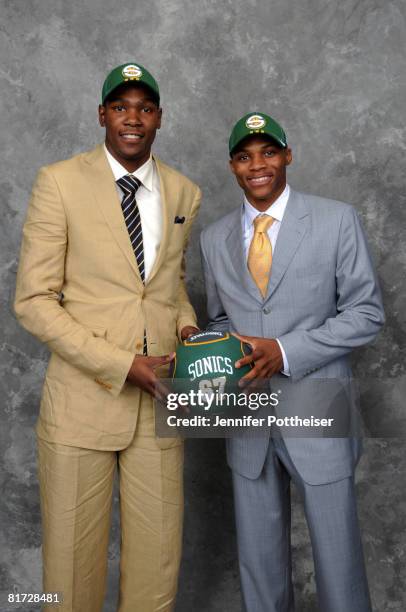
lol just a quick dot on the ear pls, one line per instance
(288, 156)
(159, 118)
(230, 161)
(102, 110)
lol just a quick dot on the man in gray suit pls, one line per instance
(292, 275)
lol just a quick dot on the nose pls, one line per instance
(257, 162)
(133, 117)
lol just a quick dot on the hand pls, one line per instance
(188, 331)
(142, 374)
(266, 356)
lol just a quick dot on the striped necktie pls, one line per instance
(129, 185)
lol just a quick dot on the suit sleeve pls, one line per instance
(186, 313)
(40, 279)
(218, 319)
(360, 313)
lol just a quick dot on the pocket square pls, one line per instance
(179, 219)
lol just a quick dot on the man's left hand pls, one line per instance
(188, 331)
(266, 356)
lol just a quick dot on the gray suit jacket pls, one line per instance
(323, 300)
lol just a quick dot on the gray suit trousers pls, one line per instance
(262, 508)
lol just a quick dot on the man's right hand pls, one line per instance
(142, 373)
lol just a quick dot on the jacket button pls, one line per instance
(266, 310)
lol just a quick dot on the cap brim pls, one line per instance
(280, 144)
(154, 94)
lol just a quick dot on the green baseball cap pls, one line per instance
(256, 123)
(125, 74)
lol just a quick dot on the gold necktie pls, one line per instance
(260, 252)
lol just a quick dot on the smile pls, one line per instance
(260, 180)
(132, 137)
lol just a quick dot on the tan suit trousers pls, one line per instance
(76, 488)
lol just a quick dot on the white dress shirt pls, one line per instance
(276, 210)
(149, 204)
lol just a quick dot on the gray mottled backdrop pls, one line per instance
(333, 74)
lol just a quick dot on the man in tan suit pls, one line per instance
(101, 282)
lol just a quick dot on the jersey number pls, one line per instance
(210, 386)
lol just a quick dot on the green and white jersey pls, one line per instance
(206, 361)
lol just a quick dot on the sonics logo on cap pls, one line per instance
(255, 122)
(132, 72)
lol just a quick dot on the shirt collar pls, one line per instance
(144, 173)
(276, 210)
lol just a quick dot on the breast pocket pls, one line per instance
(320, 270)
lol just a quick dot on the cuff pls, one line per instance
(286, 370)
(117, 375)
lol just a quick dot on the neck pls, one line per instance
(263, 205)
(131, 165)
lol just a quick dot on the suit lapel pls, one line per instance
(236, 252)
(104, 190)
(293, 228)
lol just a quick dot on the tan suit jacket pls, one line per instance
(79, 291)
